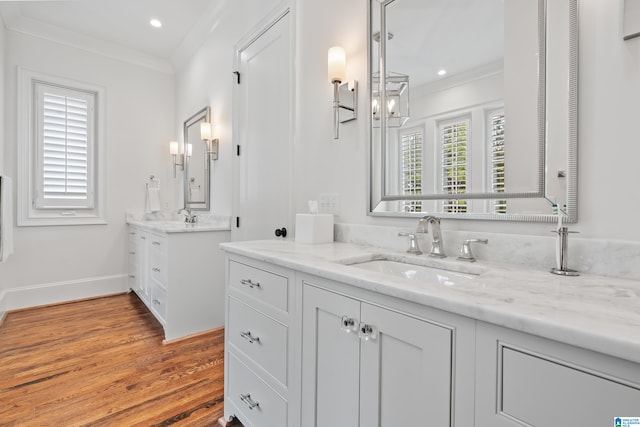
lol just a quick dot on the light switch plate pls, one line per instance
(329, 203)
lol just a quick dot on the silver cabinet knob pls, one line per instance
(348, 324)
(367, 332)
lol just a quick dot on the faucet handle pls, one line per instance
(465, 251)
(413, 243)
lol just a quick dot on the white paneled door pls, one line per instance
(262, 187)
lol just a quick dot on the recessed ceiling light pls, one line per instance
(155, 23)
(442, 72)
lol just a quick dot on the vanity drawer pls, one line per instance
(261, 338)
(544, 392)
(265, 286)
(158, 258)
(159, 302)
(134, 235)
(258, 403)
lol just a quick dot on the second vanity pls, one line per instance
(177, 270)
(316, 337)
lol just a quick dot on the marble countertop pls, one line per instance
(179, 226)
(597, 313)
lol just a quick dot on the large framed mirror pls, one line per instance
(197, 164)
(473, 108)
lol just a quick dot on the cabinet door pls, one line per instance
(524, 380)
(406, 371)
(330, 360)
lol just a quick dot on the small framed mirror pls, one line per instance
(197, 164)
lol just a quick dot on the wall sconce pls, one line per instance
(212, 144)
(345, 95)
(397, 99)
(174, 150)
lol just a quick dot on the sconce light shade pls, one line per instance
(345, 95)
(212, 143)
(174, 148)
(205, 131)
(336, 64)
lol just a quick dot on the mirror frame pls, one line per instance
(203, 114)
(376, 186)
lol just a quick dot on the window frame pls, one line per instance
(30, 210)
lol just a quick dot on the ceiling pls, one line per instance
(115, 24)
(459, 36)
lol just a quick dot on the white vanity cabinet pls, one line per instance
(346, 348)
(527, 380)
(259, 378)
(365, 363)
(180, 277)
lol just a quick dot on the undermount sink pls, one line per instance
(419, 273)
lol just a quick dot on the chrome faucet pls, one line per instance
(437, 247)
(414, 248)
(189, 217)
(465, 251)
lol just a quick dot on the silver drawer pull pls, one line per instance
(249, 283)
(156, 302)
(247, 336)
(156, 269)
(133, 233)
(246, 398)
(155, 243)
(143, 238)
(132, 253)
(133, 276)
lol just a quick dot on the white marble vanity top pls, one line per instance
(597, 313)
(217, 223)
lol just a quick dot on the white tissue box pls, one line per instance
(314, 228)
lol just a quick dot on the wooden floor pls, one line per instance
(102, 363)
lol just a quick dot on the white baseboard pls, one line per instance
(54, 293)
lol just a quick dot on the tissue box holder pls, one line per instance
(314, 228)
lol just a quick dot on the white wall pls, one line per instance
(609, 88)
(208, 79)
(57, 263)
(145, 112)
(2, 92)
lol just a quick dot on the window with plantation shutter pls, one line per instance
(65, 148)
(454, 138)
(411, 158)
(496, 129)
(61, 151)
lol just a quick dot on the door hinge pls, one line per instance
(237, 150)
(237, 222)
(237, 73)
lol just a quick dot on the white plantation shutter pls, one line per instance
(454, 142)
(496, 124)
(411, 158)
(65, 147)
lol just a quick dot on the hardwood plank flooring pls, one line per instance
(101, 362)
